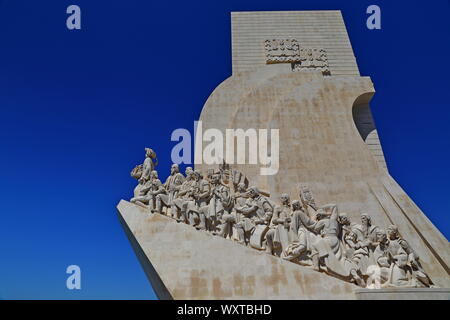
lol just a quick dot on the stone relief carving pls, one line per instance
(300, 231)
(301, 58)
(282, 51)
(312, 59)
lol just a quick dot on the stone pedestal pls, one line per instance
(403, 294)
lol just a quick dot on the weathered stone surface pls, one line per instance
(322, 28)
(197, 265)
(403, 294)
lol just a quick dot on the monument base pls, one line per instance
(184, 263)
(403, 294)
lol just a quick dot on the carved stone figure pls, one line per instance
(217, 216)
(366, 232)
(197, 213)
(149, 191)
(300, 234)
(136, 173)
(149, 164)
(308, 202)
(357, 254)
(185, 196)
(329, 248)
(257, 213)
(391, 259)
(172, 186)
(239, 202)
(237, 178)
(381, 256)
(155, 189)
(326, 247)
(140, 196)
(278, 235)
(420, 276)
(224, 173)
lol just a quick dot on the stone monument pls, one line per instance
(330, 223)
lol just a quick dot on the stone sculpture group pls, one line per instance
(300, 231)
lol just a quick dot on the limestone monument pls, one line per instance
(330, 223)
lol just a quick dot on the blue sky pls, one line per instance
(78, 107)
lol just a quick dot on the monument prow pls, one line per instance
(197, 265)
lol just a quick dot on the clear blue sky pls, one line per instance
(78, 107)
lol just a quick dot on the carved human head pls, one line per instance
(306, 196)
(392, 232)
(149, 153)
(296, 205)
(188, 172)
(253, 191)
(154, 174)
(198, 175)
(353, 236)
(174, 169)
(215, 179)
(381, 235)
(344, 219)
(366, 219)
(284, 198)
